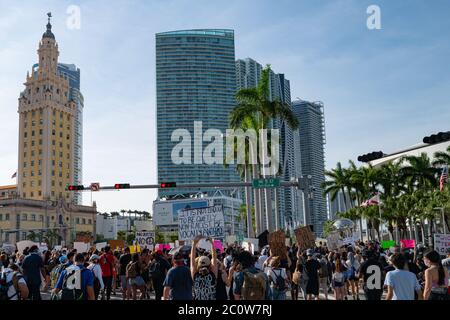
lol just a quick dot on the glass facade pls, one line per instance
(195, 81)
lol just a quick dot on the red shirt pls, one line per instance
(107, 264)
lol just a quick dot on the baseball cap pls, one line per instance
(203, 261)
(63, 259)
(94, 257)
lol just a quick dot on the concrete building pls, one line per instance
(108, 227)
(195, 82)
(8, 192)
(311, 146)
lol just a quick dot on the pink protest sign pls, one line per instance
(407, 243)
(218, 245)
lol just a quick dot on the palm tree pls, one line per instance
(32, 236)
(338, 182)
(419, 173)
(442, 158)
(256, 109)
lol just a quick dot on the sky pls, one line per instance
(383, 89)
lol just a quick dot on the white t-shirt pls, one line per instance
(12, 290)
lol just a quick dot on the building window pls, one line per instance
(67, 218)
(40, 162)
(53, 217)
(32, 133)
(24, 233)
(53, 193)
(40, 193)
(60, 183)
(60, 134)
(60, 164)
(60, 144)
(33, 217)
(24, 174)
(32, 194)
(40, 131)
(60, 174)
(84, 221)
(53, 132)
(7, 217)
(68, 156)
(32, 183)
(41, 217)
(53, 183)
(25, 154)
(32, 153)
(40, 151)
(40, 183)
(25, 135)
(1, 217)
(90, 221)
(24, 164)
(25, 124)
(25, 195)
(24, 184)
(53, 163)
(54, 112)
(68, 136)
(41, 111)
(54, 152)
(41, 121)
(25, 144)
(78, 220)
(40, 142)
(24, 217)
(53, 142)
(40, 173)
(32, 163)
(53, 173)
(32, 173)
(33, 113)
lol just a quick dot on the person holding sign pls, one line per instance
(204, 272)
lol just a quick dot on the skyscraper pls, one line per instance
(248, 75)
(47, 128)
(195, 81)
(311, 146)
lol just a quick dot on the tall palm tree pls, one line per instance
(338, 182)
(257, 105)
(442, 158)
(419, 173)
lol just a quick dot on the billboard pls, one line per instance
(166, 212)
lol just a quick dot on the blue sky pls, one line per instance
(382, 89)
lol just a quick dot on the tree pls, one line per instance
(121, 235)
(442, 158)
(338, 181)
(32, 236)
(419, 173)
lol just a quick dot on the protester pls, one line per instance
(107, 265)
(323, 275)
(338, 280)
(76, 282)
(124, 260)
(97, 272)
(158, 269)
(204, 272)
(278, 279)
(178, 283)
(352, 267)
(134, 275)
(401, 284)
(14, 286)
(372, 275)
(436, 278)
(312, 267)
(33, 270)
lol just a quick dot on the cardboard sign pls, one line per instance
(208, 222)
(81, 247)
(205, 245)
(277, 244)
(145, 239)
(100, 246)
(388, 243)
(407, 243)
(441, 243)
(163, 247)
(248, 246)
(305, 238)
(21, 245)
(57, 248)
(134, 249)
(8, 248)
(114, 244)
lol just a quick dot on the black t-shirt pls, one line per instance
(124, 260)
(312, 267)
(371, 268)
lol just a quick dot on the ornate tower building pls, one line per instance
(47, 128)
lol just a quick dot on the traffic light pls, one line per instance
(371, 156)
(437, 138)
(75, 188)
(118, 186)
(165, 185)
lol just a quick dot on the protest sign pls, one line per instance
(208, 222)
(81, 247)
(145, 239)
(305, 238)
(135, 249)
(58, 248)
(100, 246)
(407, 243)
(205, 245)
(386, 244)
(350, 240)
(114, 244)
(230, 239)
(42, 247)
(8, 248)
(277, 243)
(248, 246)
(218, 245)
(442, 243)
(333, 241)
(21, 245)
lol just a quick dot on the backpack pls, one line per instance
(55, 273)
(71, 287)
(280, 282)
(131, 271)
(254, 286)
(323, 272)
(4, 286)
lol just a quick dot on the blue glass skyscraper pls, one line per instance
(195, 81)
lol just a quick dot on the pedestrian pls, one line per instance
(204, 272)
(278, 279)
(33, 269)
(222, 282)
(352, 267)
(76, 282)
(107, 264)
(133, 273)
(15, 286)
(158, 270)
(312, 267)
(338, 280)
(97, 272)
(401, 284)
(296, 276)
(124, 260)
(436, 278)
(323, 275)
(371, 272)
(178, 282)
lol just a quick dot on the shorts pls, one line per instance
(138, 281)
(124, 283)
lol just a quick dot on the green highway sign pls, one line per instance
(266, 183)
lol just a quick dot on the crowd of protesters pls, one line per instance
(191, 273)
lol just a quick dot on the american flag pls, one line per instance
(444, 177)
(375, 200)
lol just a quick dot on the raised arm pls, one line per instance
(214, 257)
(193, 255)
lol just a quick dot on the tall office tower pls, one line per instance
(248, 75)
(312, 141)
(47, 128)
(337, 205)
(195, 82)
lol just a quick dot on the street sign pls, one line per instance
(95, 186)
(266, 183)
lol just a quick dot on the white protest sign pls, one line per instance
(145, 239)
(248, 246)
(58, 248)
(442, 243)
(208, 222)
(101, 245)
(43, 247)
(81, 247)
(333, 241)
(8, 248)
(21, 245)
